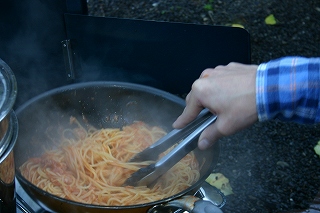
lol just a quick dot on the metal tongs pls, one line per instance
(189, 136)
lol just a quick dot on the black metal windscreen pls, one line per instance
(169, 56)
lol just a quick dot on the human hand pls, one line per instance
(228, 92)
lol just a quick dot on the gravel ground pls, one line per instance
(272, 166)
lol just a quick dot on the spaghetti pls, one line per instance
(91, 167)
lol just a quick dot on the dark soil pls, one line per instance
(272, 166)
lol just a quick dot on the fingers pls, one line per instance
(194, 103)
(206, 73)
(210, 135)
(189, 113)
(228, 92)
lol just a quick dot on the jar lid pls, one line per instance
(8, 89)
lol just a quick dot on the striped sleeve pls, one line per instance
(289, 89)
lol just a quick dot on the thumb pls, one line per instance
(209, 136)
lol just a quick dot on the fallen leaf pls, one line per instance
(237, 25)
(270, 20)
(317, 148)
(219, 181)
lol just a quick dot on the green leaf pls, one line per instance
(270, 20)
(237, 25)
(208, 7)
(317, 148)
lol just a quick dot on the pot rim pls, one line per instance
(118, 84)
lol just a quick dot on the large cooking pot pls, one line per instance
(96, 101)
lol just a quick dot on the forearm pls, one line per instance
(289, 89)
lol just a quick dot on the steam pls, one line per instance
(93, 70)
(31, 48)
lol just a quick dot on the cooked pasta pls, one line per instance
(92, 166)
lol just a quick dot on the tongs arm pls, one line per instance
(154, 150)
(146, 176)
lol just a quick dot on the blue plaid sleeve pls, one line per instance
(289, 89)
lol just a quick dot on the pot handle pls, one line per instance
(208, 199)
(187, 203)
(203, 206)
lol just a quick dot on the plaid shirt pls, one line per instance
(289, 89)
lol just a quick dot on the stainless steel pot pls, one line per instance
(97, 101)
(8, 94)
(8, 136)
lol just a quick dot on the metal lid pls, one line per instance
(8, 89)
